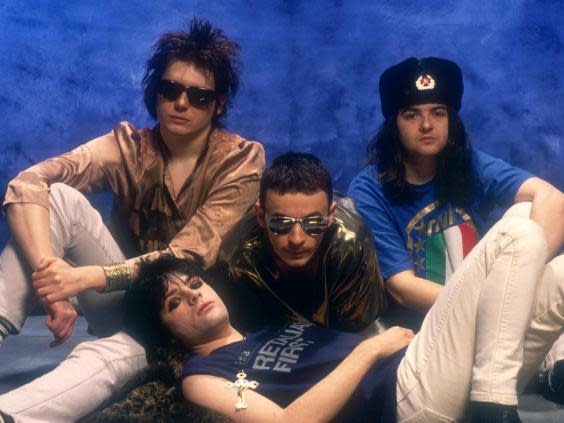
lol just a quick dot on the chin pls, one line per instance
(297, 262)
(178, 129)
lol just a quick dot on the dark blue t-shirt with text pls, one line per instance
(287, 361)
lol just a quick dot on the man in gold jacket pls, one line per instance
(301, 256)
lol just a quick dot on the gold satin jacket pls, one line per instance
(147, 218)
(346, 291)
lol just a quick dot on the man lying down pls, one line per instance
(302, 372)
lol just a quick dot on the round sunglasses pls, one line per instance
(171, 90)
(311, 225)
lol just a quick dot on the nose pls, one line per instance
(426, 122)
(192, 295)
(296, 236)
(182, 103)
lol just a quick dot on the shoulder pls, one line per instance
(489, 167)
(481, 161)
(349, 231)
(481, 158)
(242, 242)
(136, 145)
(226, 146)
(367, 176)
(368, 194)
(365, 183)
(127, 133)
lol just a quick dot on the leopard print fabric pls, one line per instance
(157, 399)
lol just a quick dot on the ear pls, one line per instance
(259, 213)
(220, 104)
(332, 212)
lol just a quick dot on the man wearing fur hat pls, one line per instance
(427, 196)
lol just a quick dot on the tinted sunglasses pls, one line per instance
(312, 225)
(171, 90)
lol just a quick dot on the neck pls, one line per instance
(185, 146)
(228, 336)
(419, 170)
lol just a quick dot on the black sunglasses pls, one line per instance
(171, 90)
(312, 225)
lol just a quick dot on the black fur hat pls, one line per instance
(418, 81)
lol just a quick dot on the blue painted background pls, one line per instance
(70, 70)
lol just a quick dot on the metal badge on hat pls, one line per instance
(425, 82)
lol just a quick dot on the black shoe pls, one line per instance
(489, 412)
(5, 418)
(551, 382)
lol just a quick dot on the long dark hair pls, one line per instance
(454, 176)
(144, 299)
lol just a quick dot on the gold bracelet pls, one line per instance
(118, 277)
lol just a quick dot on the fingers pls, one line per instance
(404, 333)
(45, 274)
(63, 335)
(49, 290)
(60, 321)
(45, 262)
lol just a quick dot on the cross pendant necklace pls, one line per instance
(241, 385)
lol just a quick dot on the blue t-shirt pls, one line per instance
(288, 360)
(428, 237)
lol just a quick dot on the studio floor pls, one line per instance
(27, 356)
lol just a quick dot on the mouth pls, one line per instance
(178, 119)
(204, 307)
(427, 139)
(297, 254)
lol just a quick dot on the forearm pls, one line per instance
(548, 212)
(96, 278)
(325, 399)
(29, 226)
(412, 291)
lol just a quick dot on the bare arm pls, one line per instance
(412, 291)
(27, 199)
(321, 403)
(27, 210)
(29, 225)
(547, 210)
(229, 199)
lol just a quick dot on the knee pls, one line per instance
(68, 203)
(60, 194)
(525, 234)
(120, 354)
(555, 270)
(522, 209)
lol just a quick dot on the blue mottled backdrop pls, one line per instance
(71, 70)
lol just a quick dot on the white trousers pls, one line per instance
(492, 325)
(95, 370)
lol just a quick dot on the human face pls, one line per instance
(296, 248)
(423, 129)
(192, 311)
(179, 117)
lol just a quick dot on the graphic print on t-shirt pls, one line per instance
(282, 352)
(438, 239)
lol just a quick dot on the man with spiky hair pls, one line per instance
(178, 189)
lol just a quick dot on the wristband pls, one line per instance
(117, 277)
